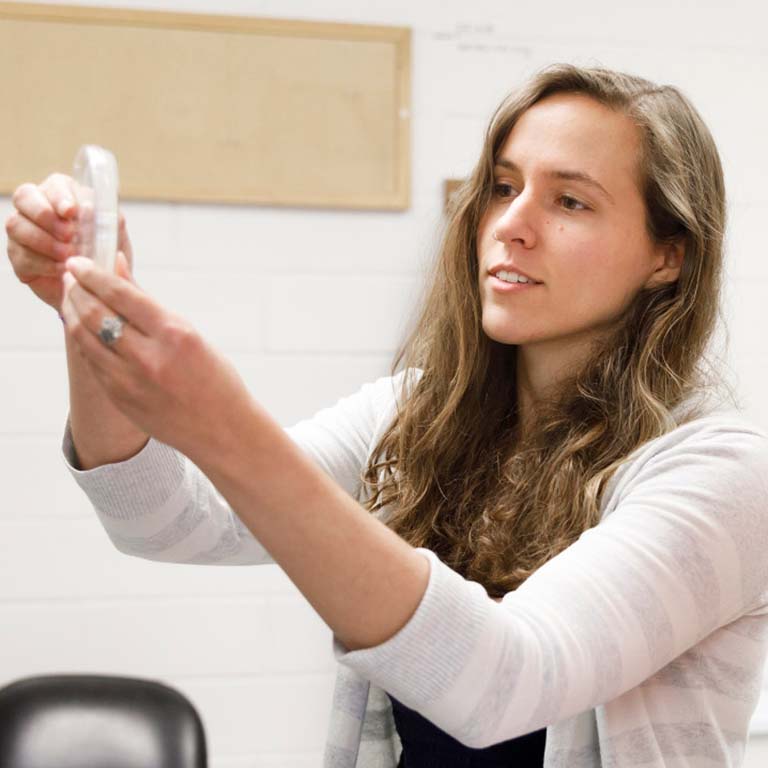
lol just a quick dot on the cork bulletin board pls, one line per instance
(203, 108)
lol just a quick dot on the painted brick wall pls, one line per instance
(310, 305)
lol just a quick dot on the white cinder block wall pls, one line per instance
(309, 305)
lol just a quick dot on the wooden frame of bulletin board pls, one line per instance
(201, 108)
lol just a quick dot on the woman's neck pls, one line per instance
(540, 367)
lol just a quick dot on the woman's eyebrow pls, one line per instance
(581, 176)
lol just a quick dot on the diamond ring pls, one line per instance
(111, 330)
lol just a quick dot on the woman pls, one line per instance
(568, 526)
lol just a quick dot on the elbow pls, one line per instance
(133, 548)
(129, 552)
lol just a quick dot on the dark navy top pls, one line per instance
(426, 746)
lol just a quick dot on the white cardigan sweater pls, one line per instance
(641, 644)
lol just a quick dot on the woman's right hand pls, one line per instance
(40, 236)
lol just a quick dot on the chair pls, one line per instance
(98, 721)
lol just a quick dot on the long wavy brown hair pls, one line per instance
(452, 470)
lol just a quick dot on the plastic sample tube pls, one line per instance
(96, 190)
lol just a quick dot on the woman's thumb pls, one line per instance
(122, 267)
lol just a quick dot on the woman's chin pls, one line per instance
(507, 335)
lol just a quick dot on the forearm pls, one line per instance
(101, 433)
(363, 580)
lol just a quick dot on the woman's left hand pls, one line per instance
(160, 373)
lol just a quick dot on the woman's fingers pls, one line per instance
(28, 265)
(124, 241)
(83, 314)
(60, 190)
(31, 201)
(35, 225)
(120, 295)
(26, 235)
(47, 204)
(105, 363)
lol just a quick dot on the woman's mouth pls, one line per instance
(504, 286)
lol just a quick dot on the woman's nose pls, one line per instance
(515, 223)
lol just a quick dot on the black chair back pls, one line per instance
(98, 721)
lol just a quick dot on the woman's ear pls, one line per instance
(669, 262)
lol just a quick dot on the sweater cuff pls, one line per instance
(132, 488)
(421, 663)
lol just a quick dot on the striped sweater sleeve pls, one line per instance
(681, 553)
(158, 505)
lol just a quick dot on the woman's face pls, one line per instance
(566, 211)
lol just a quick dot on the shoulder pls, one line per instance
(379, 400)
(700, 493)
(395, 389)
(723, 450)
(387, 394)
(724, 433)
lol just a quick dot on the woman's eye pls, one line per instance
(570, 202)
(503, 190)
(506, 190)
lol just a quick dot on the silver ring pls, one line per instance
(111, 330)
